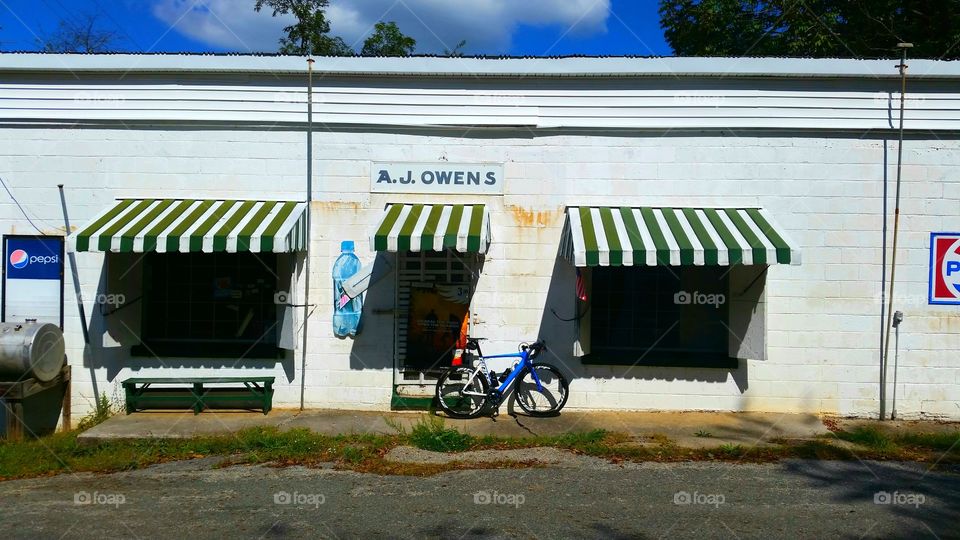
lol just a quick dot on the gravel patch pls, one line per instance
(543, 455)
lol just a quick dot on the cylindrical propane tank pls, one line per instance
(30, 350)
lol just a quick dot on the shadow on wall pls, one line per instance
(115, 329)
(558, 327)
(373, 346)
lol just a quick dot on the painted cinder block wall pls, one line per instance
(822, 317)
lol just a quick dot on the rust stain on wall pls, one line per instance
(322, 206)
(533, 218)
(950, 323)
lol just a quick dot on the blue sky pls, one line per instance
(516, 27)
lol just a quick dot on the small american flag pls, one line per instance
(581, 288)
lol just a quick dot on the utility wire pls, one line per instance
(15, 201)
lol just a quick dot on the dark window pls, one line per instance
(659, 316)
(210, 304)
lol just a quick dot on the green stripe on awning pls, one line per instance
(406, 231)
(453, 226)
(675, 236)
(193, 225)
(781, 245)
(430, 228)
(386, 225)
(589, 237)
(474, 230)
(613, 240)
(633, 233)
(659, 240)
(83, 237)
(427, 227)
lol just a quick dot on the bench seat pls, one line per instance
(199, 393)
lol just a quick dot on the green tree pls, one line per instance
(310, 35)
(388, 40)
(824, 28)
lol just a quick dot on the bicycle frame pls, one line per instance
(518, 366)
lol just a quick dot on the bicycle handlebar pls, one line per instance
(473, 343)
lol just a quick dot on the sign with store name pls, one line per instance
(944, 268)
(440, 178)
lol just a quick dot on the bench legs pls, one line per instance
(197, 398)
(128, 392)
(267, 397)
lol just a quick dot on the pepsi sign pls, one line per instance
(34, 258)
(944, 268)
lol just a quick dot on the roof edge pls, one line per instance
(574, 66)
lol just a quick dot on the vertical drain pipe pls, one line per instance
(306, 278)
(896, 228)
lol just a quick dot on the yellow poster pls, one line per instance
(437, 315)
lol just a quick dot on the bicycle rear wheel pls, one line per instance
(545, 402)
(451, 396)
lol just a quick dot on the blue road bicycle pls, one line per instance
(467, 390)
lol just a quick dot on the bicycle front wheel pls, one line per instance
(457, 393)
(549, 398)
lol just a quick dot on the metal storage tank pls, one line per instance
(30, 350)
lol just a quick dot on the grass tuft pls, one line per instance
(942, 442)
(731, 450)
(102, 410)
(869, 436)
(430, 433)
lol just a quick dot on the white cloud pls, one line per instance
(487, 25)
(230, 24)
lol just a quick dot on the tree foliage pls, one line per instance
(310, 35)
(819, 28)
(457, 50)
(388, 40)
(83, 35)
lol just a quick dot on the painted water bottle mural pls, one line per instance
(346, 311)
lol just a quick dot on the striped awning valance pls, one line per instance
(650, 236)
(194, 225)
(433, 227)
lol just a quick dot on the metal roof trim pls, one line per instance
(476, 67)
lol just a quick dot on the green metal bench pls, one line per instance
(202, 393)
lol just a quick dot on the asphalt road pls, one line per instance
(585, 498)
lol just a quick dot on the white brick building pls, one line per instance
(811, 142)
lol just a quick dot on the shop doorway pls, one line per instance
(434, 289)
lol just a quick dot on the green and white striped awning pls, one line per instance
(194, 225)
(433, 227)
(650, 236)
